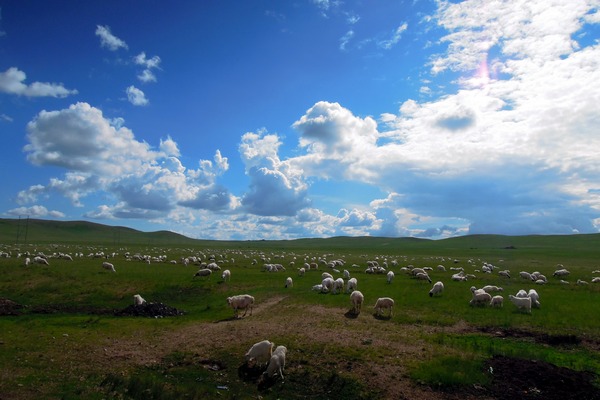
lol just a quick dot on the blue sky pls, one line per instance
(309, 118)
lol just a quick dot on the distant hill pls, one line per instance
(38, 231)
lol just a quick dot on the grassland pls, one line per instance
(68, 343)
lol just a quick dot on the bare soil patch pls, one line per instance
(9, 307)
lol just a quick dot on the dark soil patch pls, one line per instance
(9, 307)
(514, 378)
(68, 309)
(544, 338)
(151, 310)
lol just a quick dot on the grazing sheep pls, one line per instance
(596, 279)
(521, 293)
(351, 285)
(239, 302)
(338, 286)
(522, 303)
(40, 260)
(346, 274)
(423, 276)
(480, 298)
(276, 363)
(27, 261)
(535, 298)
(505, 273)
(357, 299)
(497, 301)
(441, 268)
(460, 276)
(327, 284)
(390, 276)
(325, 275)
(319, 288)
(289, 282)
(138, 300)
(581, 283)
(108, 266)
(203, 272)
(561, 273)
(492, 288)
(213, 267)
(565, 282)
(259, 353)
(437, 288)
(226, 275)
(526, 275)
(301, 271)
(540, 282)
(384, 303)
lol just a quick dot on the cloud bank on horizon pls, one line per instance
(502, 137)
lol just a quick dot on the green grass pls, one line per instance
(82, 296)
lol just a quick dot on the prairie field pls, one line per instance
(65, 329)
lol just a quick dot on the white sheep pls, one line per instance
(259, 353)
(561, 273)
(441, 268)
(289, 282)
(437, 288)
(526, 275)
(390, 276)
(40, 260)
(239, 302)
(276, 363)
(327, 284)
(27, 261)
(505, 273)
(581, 282)
(492, 288)
(338, 286)
(384, 303)
(423, 276)
(497, 301)
(351, 285)
(203, 272)
(138, 300)
(346, 274)
(325, 275)
(460, 276)
(596, 279)
(356, 298)
(522, 303)
(318, 288)
(521, 293)
(301, 271)
(480, 298)
(535, 298)
(108, 266)
(226, 275)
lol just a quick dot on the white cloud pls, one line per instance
(108, 40)
(344, 40)
(396, 36)
(149, 63)
(36, 211)
(6, 118)
(136, 96)
(11, 82)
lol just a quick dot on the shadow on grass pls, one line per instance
(351, 315)
(382, 317)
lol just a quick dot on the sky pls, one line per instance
(248, 120)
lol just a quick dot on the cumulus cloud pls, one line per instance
(101, 154)
(136, 96)
(276, 187)
(147, 75)
(36, 211)
(12, 82)
(108, 40)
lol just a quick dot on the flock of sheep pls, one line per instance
(262, 353)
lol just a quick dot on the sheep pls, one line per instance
(108, 266)
(390, 276)
(526, 275)
(437, 288)
(535, 298)
(27, 261)
(338, 286)
(423, 276)
(596, 279)
(260, 353)
(497, 301)
(357, 299)
(276, 363)
(226, 275)
(289, 282)
(522, 303)
(561, 272)
(581, 282)
(460, 276)
(384, 303)
(352, 284)
(319, 288)
(241, 301)
(203, 272)
(301, 271)
(441, 268)
(492, 288)
(480, 298)
(40, 260)
(325, 275)
(505, 273)
(327, 284)
(138, 300)
(346, 274)
(521, 293)
(213, 266)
